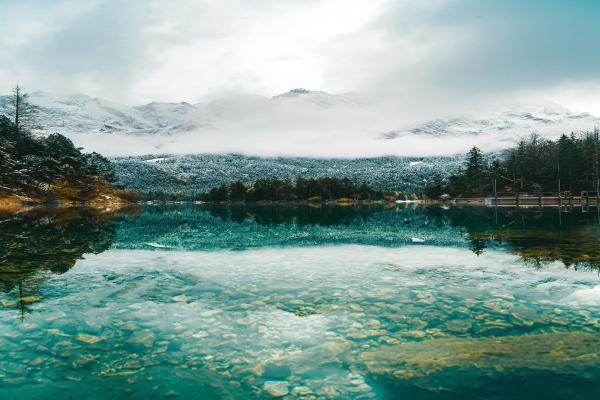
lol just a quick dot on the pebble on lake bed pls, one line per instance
(89, 339)
(31, 299)
(276, 388)
(181, 298)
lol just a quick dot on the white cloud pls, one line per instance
(143, 51)
(423, 55)
(415, 60)
(266, 50)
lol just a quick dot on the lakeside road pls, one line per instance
(528, 201)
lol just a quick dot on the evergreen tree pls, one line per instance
(23, 112)
(475, 172)
(535, 165)
(271, 189)
(567, 160)
(237, 191)
(434, 189)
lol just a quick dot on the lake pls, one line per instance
(300, 302)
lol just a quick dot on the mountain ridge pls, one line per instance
(294, 123)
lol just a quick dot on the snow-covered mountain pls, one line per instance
(78, 113)
(297, 123)
(516, 119)
(188, 176)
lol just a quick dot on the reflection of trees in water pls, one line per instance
(300, 215)
(52, 240)
(48, 241)
(538, 236)
(577, 248)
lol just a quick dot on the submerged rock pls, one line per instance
(57, 332)
(276, 388)
(562, 351)
(8, 304)
(90, 339)
(144, 338)
(31, 299)
(274, 371)
(301, 391)
(210, 313)
(458, 326)
(414, 334)
(181, 298)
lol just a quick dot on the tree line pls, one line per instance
(47, 168)
(535, 164)
(272, 189)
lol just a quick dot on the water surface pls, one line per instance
(251, 302)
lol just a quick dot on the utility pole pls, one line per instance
(559, 205)
(559, 217)
(495, 192)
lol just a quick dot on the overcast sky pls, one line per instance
(430, 52)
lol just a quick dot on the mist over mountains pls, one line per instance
(298, 123)
(182, 150)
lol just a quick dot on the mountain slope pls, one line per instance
(188, 176)
(78, 113)
(543, 118)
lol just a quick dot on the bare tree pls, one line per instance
(23, 111)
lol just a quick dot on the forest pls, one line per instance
(569, 164)
(272, 189)
(168, 177)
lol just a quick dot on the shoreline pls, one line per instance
(15, 203)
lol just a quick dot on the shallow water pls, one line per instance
(255, 302)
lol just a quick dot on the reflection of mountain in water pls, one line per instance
(52, 240)
(538, 236)
(48, 240)
(218, 227)
(298, 215)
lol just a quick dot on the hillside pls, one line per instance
(186, 177)
(184, 149)
(43, 169)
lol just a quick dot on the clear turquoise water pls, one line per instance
(256, 302)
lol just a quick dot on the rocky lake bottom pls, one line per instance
(297, 303)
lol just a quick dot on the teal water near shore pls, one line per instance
(250, 302)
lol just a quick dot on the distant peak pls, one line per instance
(166, 103)
(301, 92)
